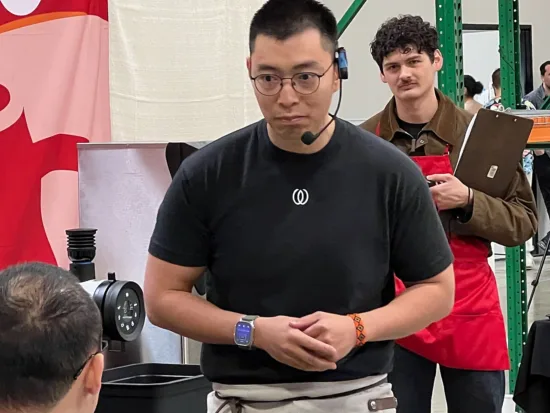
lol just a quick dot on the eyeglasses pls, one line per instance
(104, 345)
(304, 83)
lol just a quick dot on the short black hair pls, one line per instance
(543, 67)
(283, 19)
(495, 78)
(403, 33)
(473, 87)
(49, 327)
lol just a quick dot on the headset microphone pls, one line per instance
(309, 137)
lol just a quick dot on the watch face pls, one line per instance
(243, 334)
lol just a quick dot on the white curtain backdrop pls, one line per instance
(177, 69)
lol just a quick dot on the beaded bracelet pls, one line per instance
(359, 329)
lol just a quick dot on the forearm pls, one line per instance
(414, 309)
(509, 223)
(193, 317)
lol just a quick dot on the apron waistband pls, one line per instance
(236, 404)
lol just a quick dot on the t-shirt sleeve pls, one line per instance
(181, 234)
(419, 246)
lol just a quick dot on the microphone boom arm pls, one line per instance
(309, 137)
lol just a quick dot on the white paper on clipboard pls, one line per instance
(466, 137)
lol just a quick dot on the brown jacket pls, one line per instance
(510, 221)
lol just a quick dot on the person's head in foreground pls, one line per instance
(406, 51)
(292, 65)
(50, 342)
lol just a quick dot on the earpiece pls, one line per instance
(342, 60)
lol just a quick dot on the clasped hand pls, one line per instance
(312, 343)
(449, 192)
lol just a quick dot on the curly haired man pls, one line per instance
(469, 345)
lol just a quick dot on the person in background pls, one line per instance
(539, 95)
(542, 156)
(472, 88)
(496, 104)
(301, 237)
(470, 344)
(50, 342)
(541, 167)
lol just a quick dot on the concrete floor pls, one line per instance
(539, 309)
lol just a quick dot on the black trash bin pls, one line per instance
(154, 388)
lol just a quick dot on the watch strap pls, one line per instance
(249, 318)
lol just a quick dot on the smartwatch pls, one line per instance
(244, 332)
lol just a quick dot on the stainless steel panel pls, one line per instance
(120, 189)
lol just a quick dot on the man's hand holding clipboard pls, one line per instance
(448, 192)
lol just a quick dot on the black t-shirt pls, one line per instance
(290, 234)
(413, 129)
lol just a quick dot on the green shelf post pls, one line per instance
(449, 26)
(349, 15)
(510, 69)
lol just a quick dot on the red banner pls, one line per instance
(54, 93)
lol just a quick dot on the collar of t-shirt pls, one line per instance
(332, 148)
(412, 129)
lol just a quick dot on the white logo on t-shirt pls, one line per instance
(300, 196)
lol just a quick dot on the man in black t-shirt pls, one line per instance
(301, 241)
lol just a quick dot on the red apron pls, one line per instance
(473, 336)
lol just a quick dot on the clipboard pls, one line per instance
(491, 150)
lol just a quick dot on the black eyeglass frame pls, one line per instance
(292, 82)
(104, 346)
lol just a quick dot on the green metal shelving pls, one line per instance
(451, 82)
(349, 15)
(516, 285)
(449, 25)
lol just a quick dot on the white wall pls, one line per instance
(177, 69)
(532, 12)
(481, 58)
(365, 94)
(178, 74)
